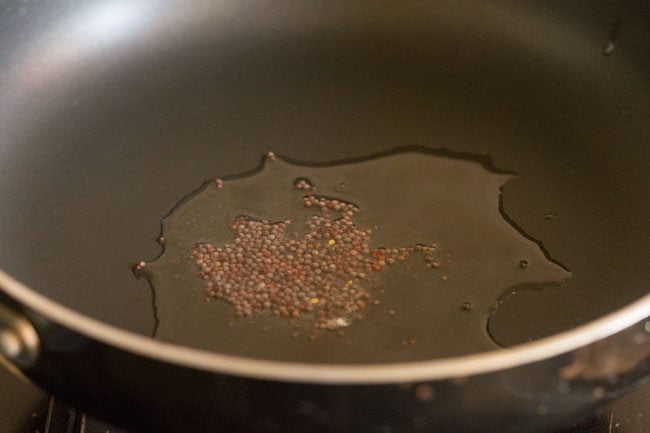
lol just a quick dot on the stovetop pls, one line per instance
(26, 409)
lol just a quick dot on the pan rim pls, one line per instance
(360, 374)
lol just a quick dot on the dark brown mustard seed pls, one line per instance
(303, 184)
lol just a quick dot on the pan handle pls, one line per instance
(19, 342)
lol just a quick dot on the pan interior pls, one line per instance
(101, 136)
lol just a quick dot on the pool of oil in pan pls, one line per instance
(398, 257)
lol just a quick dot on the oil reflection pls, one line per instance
(69, 42)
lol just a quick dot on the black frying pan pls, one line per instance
(110, 112)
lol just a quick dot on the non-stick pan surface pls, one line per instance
(110, 112)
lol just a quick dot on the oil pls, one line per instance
(406, 198)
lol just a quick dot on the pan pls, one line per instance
(111, 113)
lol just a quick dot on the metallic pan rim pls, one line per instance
(462, 366)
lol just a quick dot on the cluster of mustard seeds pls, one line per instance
(324, 272)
